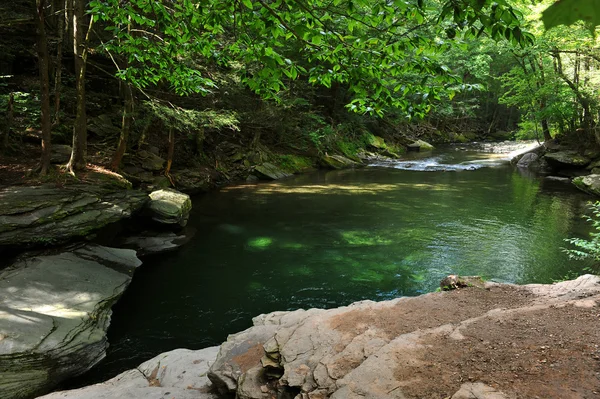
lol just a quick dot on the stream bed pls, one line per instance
(329, 238)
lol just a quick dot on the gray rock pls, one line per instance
(150, 161)
(192, 181)
(566, 158)
(169, 207)
(153, 243)
(177, 374)
(60, 153)
(528, 160)
(54, 313)
(50, 215)
(269, 171)
(419, 145)
(337, 162)
(103, 126)
(558, 179)
(590, 184)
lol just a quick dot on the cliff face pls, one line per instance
(496, 341)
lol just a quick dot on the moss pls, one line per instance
(294, 163)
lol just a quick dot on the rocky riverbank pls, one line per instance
(495, 341)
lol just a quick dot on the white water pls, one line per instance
(460, 158)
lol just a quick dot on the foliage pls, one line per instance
(568, 12)
(189, 120)
(587, 248)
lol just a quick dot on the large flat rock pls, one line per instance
(496, 342)
(179, 374)
(50, 215)
(54, 313)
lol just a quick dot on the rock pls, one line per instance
(590, 184)
(60, 153)
(161, 182)
(414, 347)
(153, 243)
(528, 160)
(252, 179)
(558, 179)
(169, 207)
(103, 126)
(419, 145)
(337, 162)
(150, 161)
(54, 313)
(269, 171)
(376, 142)
(177, 374)
(453, 282)
(478, 390)
(50, 215)
(566, 158)
(193, 181)
(593, 165)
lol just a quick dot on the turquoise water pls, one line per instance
(331, 238)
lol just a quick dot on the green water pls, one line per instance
(331, 238)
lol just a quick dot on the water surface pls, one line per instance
(331, 238)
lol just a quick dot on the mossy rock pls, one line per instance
(420, 145)
(590, 184)
(337, 162)
(376, 142)
(567, 158)
(269, 171)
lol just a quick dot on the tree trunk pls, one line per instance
(79, 153)
(9, 121)
(42, 50)
(60, 27)
(546, 130)
(125, 127)
(170, 152)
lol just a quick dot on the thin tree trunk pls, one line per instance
(62, 23)
(125, 127)
(170, 152)
(79, 152)
(9, 121)
(42, 50)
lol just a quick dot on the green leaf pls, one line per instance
(248, 3)
(567, 12)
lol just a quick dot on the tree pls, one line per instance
(42, 51)
(79, 152)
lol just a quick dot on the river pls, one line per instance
(330, 238)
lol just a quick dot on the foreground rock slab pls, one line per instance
(54, 313)
(496, 342)
(179, 374)
(50, 215)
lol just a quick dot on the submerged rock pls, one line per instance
(590, 184)
(149, 243)
(179, 374)
(169, 207)
(420, 145)
(54, 313)
(529, 160)
(566, 158)
(269, 171)
(49, 215)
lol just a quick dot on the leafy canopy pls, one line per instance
(387, 53)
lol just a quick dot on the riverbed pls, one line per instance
(329, 238)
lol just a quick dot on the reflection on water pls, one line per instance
(331, 238)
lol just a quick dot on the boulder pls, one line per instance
(60, 153)
(54, 313)
(528, 160)
(269, 171)
(49, 215)
(337, 162)
(103, 126)
(421, 347)
(169, 207)
(193, 181)
(150, 161)
(376, 142)
(148, 243)
(419, 145)
(177, 374)
(590, 184)
(566, 159)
